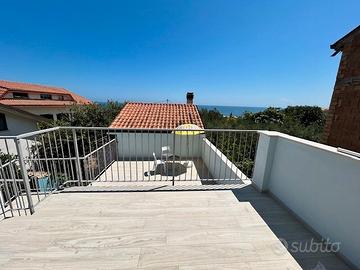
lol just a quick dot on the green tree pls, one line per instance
(89, 115)
(301, 121)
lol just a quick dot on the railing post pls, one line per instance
(173, 163)
(264, 159)
(78, 165)
(24, 175)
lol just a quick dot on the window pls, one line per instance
(3, 125)
(48, 116)
(45, 96)
(61, 97)
(20, 95)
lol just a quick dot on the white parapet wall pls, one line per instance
(319, 184)
(220, 167)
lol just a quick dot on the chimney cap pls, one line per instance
(190, 97)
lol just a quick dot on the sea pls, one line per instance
(225, 110)
(234, 110)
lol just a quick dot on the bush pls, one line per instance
(89, 115)
(306, 122)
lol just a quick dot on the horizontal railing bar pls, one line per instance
(55, 158)
(160, 129)
(9, 162)
(15, 209)
(93, 152)
(8, 137)
(77, 181)
(38, 132)
(348, 152)
(102, 171)
(10, 180)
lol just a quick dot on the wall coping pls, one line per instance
(320, 146)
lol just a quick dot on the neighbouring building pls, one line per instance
(46, 101)
(139, 115)
(14, 121)
(158, 115)
(23, 106)
(343, 123)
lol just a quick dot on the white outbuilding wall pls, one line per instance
(142, 145)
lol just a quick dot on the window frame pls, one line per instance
(20, 95)
(48, 116)
(46, 96)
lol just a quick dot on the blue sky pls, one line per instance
(253, 53)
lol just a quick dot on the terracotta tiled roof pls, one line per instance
(6, 86)
(154, 115)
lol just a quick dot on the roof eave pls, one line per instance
(25, 114)
(338, 46)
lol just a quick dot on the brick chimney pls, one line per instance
(343, 123)
(190, 98)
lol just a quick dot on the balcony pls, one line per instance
(97, 197)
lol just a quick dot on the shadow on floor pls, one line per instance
(291, 232)
(181, 168)
(168, 169)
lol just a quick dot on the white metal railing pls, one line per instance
(56, 158)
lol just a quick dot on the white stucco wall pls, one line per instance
(319, 184)
(45, 110)
(220, 167)
(16, 125)
(142, 145)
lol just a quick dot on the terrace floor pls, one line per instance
(127, 171)
(230, 229)
(142, 173)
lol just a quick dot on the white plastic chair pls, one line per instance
(165, 152)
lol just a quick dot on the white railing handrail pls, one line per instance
(158, 129)
(348, 152)
(42, 131)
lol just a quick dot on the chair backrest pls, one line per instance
(165, 149)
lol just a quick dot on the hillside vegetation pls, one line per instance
(301, 121)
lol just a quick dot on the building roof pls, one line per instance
(154, 115)
(22, 113)
(6, 86)
(338, 45)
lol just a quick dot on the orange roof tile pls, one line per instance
(6, 86)
(154, 115)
